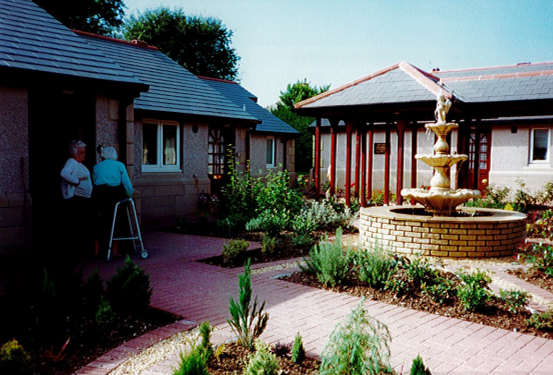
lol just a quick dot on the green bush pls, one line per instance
(238, 201)
(541, 321)
(473, 291)
(263, 362)
(358, 346)
(419, 270)
(193, 362)
(93, 290)
(375, 266)
(205, 334)
(14, 359)
(271, 222)
(418, 367)
(328, 261)
(129, 289)
(268, 245)
(104, 315)
(441, 290)
(298, 351)
(247, 322)
(327, 214)
(234, 248)
(514, 299)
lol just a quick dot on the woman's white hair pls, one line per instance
(109, 153)
(74, 147)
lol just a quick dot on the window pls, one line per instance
(270, 152)
(539, 146)
(160, 147)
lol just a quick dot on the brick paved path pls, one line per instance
(201, 292)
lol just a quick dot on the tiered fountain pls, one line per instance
(435, 226)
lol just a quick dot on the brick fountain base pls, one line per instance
(470, 233)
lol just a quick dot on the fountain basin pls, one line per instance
(436, 160)
(440, 202)
(468, 233)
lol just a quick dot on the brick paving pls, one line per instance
(200, 292)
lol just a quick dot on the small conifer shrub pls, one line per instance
(247, 321)
(263, 362)
(205, 334)
(418, 367)
(105, 315)
(193, 362)
(357, 346)
(129, 289)
(298, 351)
(234, 248)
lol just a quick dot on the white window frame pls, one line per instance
(273, 152)
(160, 167)
(547, 158)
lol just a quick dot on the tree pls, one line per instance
(201, 45)
(102, 17)
(295, 93)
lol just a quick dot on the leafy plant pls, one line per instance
(14, 359)
(541, 321)
(268, 245)
(522, 198)
(263, 362)
(281, 349)
(129, 289)
(514, 299)
(327, 214)
(328, 261)
(541, 258)
(473, 292)
(193, 362)
(398, 286)
(247, 322)
(440, 291)
(234, 248)
(357, 346)
(298, 351)
(376, 266)
(271, 222)
(419, 270)
(105, 315)
(418, 367)
(377, 197)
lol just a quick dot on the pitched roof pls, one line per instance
(246, 100)
(173, 89)
(32, 40)
(401, 82)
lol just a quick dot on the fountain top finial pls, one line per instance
(442, 108)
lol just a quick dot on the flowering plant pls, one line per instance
(426, 187)
(204, 197)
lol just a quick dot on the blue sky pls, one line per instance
(335, 42)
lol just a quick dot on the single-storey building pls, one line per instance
(172, 130)
(368, 132)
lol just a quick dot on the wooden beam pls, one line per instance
(317, 166)
(362, 188)
(349, 127)
(370, 162)
(414, 145)
(401, 124)
(333, 136)
(387, 167)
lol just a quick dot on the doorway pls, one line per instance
(56, 117)
(479, 159)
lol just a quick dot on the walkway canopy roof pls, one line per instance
(404, 91)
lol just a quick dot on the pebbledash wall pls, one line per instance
(454, 237)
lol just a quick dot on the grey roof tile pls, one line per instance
(172, 88)
(244, 99)
(33, 40)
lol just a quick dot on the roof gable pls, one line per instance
(32, 40)
(246, 100)
(173, 89)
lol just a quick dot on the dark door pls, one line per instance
(479, 159)
(220, 143)
(55, 119)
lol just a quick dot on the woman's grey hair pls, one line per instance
(109, 153)
(74, 147)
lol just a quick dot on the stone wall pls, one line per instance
(455, 237)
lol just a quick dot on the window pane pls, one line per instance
(149, 144)
(541, 138)
(169, 145)
(270, 151)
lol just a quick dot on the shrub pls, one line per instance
(440, 291)
(473, 292)
(541, 321)
(377, 197)
(328, 261)
(541, 258)
(282, 349)
(298, 351)
(104, 315)
(238, 199)
(522, 198)
(247, 321)
(205, 334)
(418, 367)
(514, 299)
(234, 248)
(357, 346)
(542, 224)
(268, 245)
(327, 214)
(271, 222)
(263, 362)
(376, 266)
(14, 359)
(419, 270)
(193, 362)
(545, 196)
(93, 289)
(129, 289)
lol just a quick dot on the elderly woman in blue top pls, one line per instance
(111, 185)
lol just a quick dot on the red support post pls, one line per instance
(357, 157)
(370, 162)
(333, 135)
(317, 166)
(400, 155)
(349, 126)
(387, 167)
(414, 146)
(363, 178)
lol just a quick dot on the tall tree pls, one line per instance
(295, 93)
(201, 45)
(102, 17)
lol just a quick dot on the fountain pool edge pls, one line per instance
(498, 234)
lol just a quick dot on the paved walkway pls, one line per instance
(201, 292)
